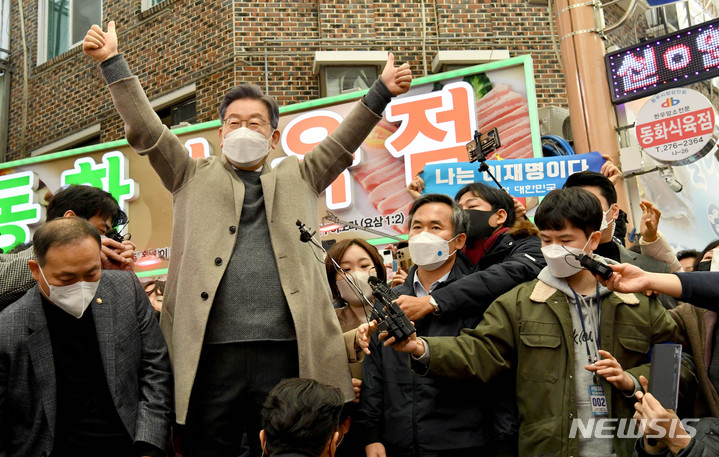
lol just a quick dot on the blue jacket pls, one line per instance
(700, 288)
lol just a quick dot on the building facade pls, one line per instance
(187, 54)
(197, 50)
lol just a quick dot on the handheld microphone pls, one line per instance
(598, 268)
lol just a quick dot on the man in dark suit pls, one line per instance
(84, 370)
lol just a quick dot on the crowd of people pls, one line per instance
(267, 351)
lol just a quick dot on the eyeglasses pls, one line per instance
(255, 124)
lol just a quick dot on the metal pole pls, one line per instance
(594, 122)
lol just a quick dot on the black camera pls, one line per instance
(387, 313)
(114, 235)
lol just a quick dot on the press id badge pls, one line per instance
(598, 400)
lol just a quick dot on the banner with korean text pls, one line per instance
(534, 177)
(429, 124)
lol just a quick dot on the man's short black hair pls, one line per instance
(460, 219)
(301, 415)
(85, 202)
(575, 206)
(61, 232)
(254, 92)
(687, 254)
(497, 198)
(592, 178)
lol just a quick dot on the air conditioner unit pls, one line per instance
(554, 120)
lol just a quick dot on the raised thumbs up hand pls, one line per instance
(101, 45)
(397, 79)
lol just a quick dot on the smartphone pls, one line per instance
(387, 256)
(403, 258)
(664, 374)
(388, 259)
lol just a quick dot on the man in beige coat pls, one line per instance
(246, 303)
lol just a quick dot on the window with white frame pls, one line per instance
(338, 80)
(347, 71)
(62, 24)
(147, 4)
(687, 13)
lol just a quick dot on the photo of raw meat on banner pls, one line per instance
(432, 123)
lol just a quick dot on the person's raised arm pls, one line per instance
(700, 288)
(628, 278)
(335, 153)
(652, 243)
(472, 294)
(143, 128)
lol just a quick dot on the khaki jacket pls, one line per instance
(207, 201)
(530, 328)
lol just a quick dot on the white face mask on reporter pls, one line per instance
(348, 293)
(245, 147)
(73, 299)
(429, 251)
(606, 223)
(561, 259)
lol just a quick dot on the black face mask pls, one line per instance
(479, 228)
(704, 266)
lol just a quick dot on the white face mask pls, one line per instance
(561, 261)
(429, 251)
(73, 299)
(605, 223)
(348, 293)
(245, 147)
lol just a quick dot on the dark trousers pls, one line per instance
(230, 386)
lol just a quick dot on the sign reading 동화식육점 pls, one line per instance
(431, 123)
(677, 126)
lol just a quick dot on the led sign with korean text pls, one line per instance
(682, 58)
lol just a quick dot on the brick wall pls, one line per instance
(217, 44)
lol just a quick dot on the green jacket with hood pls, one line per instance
(530, 328)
